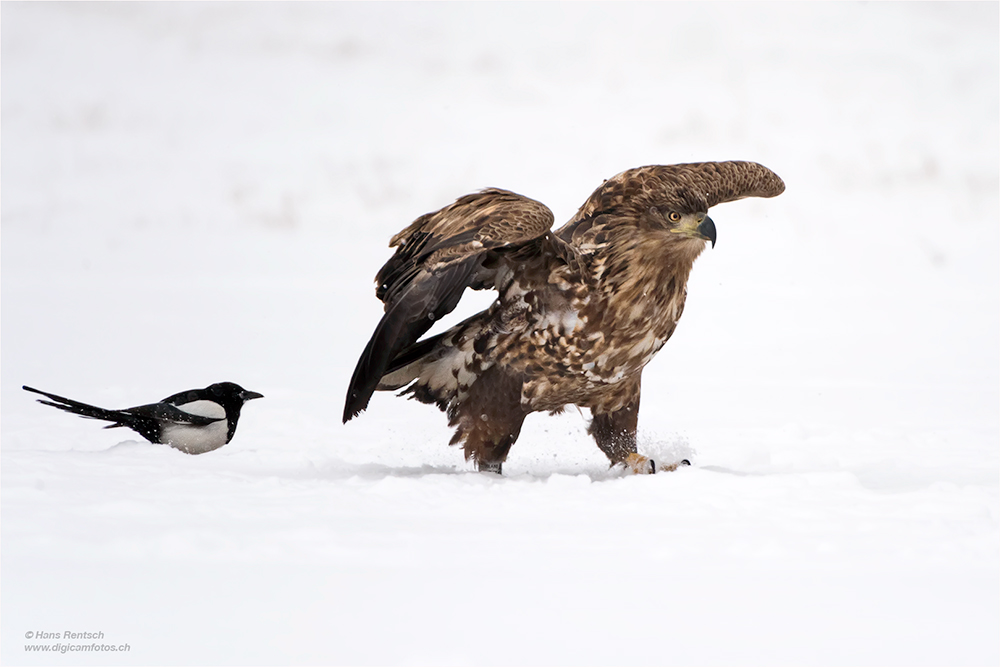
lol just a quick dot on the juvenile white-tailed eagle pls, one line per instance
(580, 310)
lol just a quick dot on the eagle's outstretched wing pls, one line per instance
(436, 258)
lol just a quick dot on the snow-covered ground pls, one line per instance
(202, 192)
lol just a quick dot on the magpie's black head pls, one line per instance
(230, 395)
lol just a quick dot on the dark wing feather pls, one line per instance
(438, 256)
(165, 412)
(408, 316)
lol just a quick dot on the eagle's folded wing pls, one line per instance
(438, 256)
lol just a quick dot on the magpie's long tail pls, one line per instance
(90, 411)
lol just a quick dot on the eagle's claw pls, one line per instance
(642, 465)
(639, 464)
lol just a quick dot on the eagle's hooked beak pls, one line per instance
(707, 230)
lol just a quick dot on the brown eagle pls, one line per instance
(580, 310)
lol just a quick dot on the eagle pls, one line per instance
(579, 312)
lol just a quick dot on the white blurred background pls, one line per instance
(198, 192)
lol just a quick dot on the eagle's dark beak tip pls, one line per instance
(707, 229)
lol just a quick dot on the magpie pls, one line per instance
(194, 421)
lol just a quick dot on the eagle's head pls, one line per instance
(688, 220)
(673, 198)
(658, 215)
(677, 197)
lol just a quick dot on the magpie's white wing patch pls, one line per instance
(203, 408)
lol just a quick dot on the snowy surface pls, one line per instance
(196, 193)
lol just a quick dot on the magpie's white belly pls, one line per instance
(195, 439)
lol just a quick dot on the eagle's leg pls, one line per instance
(614, 428)
(496, 467)
(488, 419)
(615, 432)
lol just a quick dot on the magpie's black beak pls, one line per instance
(707, 229)
(247, 395)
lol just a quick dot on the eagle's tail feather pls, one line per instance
(413, 353)
(437, 370)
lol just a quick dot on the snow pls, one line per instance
(195, 193)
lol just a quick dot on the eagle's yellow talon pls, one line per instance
(639, 464)
(643, 465)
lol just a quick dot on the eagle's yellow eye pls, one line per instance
(674, 216)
